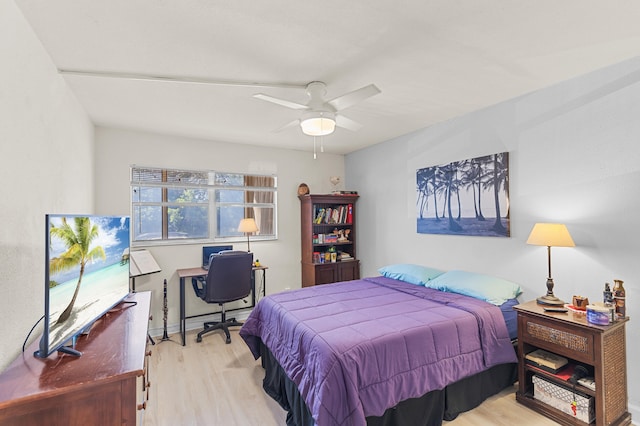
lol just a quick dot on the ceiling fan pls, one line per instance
(320, 117)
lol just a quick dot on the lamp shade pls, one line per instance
(248, 225)
(550, 235)
(318, 123)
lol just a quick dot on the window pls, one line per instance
(171, 205)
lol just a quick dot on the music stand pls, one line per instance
(141, 262)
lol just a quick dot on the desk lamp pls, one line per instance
(248, 225)
(550, 235)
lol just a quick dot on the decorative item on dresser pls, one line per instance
(107, 385)
(596, 350)
(550, 235)
(328, 225)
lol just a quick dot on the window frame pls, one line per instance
(216, 181)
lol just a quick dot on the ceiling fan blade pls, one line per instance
(281, 102)
(287, 126)
(352, 98)
(347, 123)
(179, 79)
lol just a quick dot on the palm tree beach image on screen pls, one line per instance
(86, 274)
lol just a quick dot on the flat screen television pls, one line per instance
(86, 275)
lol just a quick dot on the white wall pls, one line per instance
(117, 150)
(46, 166)
(574, 158)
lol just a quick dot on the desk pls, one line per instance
(183, 274)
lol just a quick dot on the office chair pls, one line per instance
(228, 279)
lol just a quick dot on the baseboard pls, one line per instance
(635, 414)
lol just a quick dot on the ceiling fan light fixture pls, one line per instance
(318, 124)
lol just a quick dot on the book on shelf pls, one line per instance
(340, 215)
(330, 238)
(345, 192)
(319, 215)
(335, 215)
(565, 373)
(546, 361)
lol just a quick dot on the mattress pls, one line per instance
(510, 317)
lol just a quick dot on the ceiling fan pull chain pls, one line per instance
(322, 144)
(314, 148)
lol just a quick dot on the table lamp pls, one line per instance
(550, 235)
(248, 225)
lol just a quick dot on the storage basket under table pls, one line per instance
(561, 398)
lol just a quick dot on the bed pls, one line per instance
(380, 351)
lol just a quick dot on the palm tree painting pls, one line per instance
(79, 252)
(468, 197)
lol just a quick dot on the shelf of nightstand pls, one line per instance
(561, 382)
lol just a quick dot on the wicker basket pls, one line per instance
(561, 398)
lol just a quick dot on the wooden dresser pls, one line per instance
(601, 348)
(105, 386)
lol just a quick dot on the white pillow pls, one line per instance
(484, 287)
(413, 274)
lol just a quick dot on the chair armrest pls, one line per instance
(199, 286)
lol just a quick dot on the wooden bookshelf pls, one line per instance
(328, 222)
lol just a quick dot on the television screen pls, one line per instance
(86, 274)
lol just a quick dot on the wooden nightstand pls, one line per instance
(569, 335)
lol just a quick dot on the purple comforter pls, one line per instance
(356, 348)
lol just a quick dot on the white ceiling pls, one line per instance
(432, 59)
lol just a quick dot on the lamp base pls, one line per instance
(550, 300)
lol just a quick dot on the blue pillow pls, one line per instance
(484, 287)
(414, 274)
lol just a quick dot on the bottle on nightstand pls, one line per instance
(607, 295)
(619, 296)
(607, 298)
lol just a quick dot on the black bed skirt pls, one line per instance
(427, 410)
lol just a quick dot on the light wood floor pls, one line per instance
(212, 383)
